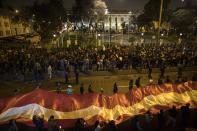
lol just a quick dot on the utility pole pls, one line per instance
(159, 24)
(110, 30)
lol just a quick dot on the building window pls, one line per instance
(122, 19)
(6, 24)
(0, 24)
(1, 33)
(7, 32)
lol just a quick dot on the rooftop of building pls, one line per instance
(120, 11)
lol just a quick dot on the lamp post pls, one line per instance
(16, 11)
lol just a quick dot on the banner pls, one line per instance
(92, 106)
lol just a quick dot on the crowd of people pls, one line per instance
(132, 84)
(172, 118)
(76, 59)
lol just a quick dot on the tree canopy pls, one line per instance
(151, 12)
(47, 17)
(182, 19)
(1, 3)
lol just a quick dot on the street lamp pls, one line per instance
(142, 38)
(16, 11)
(180, 38)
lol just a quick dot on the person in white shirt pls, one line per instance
(50, 71)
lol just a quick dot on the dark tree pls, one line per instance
(143, 20)
(182, 19)
(152, 8)
(1, 3)
(151, 12)
(89, 11)
(83, 10)
(47, 17)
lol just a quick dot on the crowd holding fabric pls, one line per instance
(66, 109)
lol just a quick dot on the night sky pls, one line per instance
(112, 4)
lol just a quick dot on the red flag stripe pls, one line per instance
(76, 102)
(163, 99)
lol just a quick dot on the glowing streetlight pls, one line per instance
(181, 34)
(54, 35)
(142, 34)
(16, 11)
(106, 11)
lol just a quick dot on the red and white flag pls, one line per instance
(91, 107)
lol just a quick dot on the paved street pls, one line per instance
(106, 82)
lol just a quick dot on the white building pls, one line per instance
(5, 29)
(115, 19)
(10, 28)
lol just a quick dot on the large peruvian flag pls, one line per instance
(92, 107)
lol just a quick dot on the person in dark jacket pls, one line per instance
(185, 113)
(137, 82)
(12, 126)
(137, 126)
(80, 124)
(149, 71)
(161, 119)
(52, 124)
(82, 88)
(115, 89)
(38, 122)
(130, 84)
(112, 126)
(90, 89)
